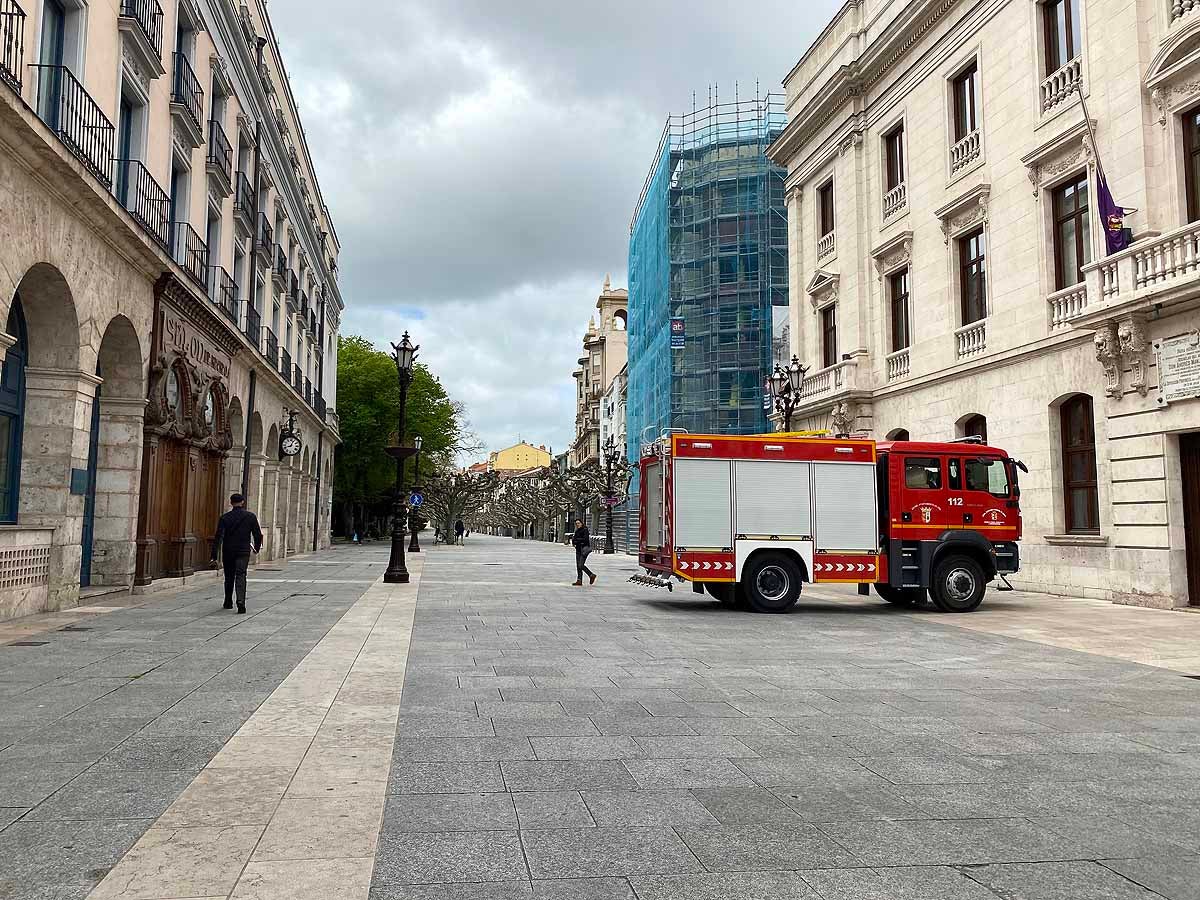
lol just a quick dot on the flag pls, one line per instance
(1116, 236)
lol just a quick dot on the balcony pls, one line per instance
(222, 291)
(897, 365)
(270, 347)
(308, 397)
(318, 405)
(69, 111)
(189, 251)
(965, 152)
(141, 27)
(297, 378)
(146, 201)
(970, 340)
(827, 246)
(1183, 8)
(280, 272)
(1158, 270)
(1060, 85)
(243, 204)
(293, 291)
(253, 327)
(220, 159)
(12, 43)
(312, 321)
(895, 201)
(264, 245)
(1065, 305)
(285, 363)
(248, 30)
(187, 102)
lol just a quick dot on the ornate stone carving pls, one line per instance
(1131, 333)
(841, 418)
(823, 289)
(976, 212)
(893, 256)
(134, 67)
(1108, 353)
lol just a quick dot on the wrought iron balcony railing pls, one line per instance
(220, 153)
(149, 16)
(270, 347)
(297, 378)
(189, 251)
(80, 123)
(186, 90)
(146, 201)
(243, 197)
(266, 237)
(281, 265)
(285, 363)
(318, 404)
(253, 327)
(12, 43)
(222, 290)
(308, 391)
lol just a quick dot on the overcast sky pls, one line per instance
(481, 161)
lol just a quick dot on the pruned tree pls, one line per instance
(454, 495)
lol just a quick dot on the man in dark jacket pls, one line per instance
(238, 535)
(582, 540)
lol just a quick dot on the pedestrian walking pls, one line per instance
(582, 539)
(238, 535)
(459, 529)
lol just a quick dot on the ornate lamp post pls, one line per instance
(784, 386)
(611, 456)
(415, 519)
(403, 354)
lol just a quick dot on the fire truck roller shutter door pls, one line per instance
(652, 487)
(703, 504)
(846, 515)
(773, 499)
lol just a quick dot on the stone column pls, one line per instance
(269, 505)
(292, 523)
(57, 431)
(235, 461)
(118, 481)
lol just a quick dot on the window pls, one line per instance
(923, 473)
(1191, 148)
(976, 426)
(893, 152)
(828, 336)
(898, 298)
(1080, 500)
(825, 207)
(972, 276)
(989, 475)
(12, 413)
(1061, 24)
(1072, 232)
(966, 102)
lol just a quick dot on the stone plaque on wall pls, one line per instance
(181, 336)
(1178, 367)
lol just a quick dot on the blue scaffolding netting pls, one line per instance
(707, 249)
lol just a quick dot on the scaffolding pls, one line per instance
(708, 246)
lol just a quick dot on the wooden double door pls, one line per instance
(1189, 463)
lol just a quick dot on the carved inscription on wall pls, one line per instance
(1178, 367)
(184, 339)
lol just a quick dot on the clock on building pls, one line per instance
(289, 445)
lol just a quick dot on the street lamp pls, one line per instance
(415, 518)
(784, 386)
(403, 355)
(611, 457)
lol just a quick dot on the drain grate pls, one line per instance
(28, 643)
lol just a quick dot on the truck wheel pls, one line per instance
(772, 583)
(958, 584)
(731, 596)
(901, 596)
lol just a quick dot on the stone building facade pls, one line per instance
(168, 280)
(949, 270)
(603, 356)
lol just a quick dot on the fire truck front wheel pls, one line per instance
(958, 584)
(772, 582)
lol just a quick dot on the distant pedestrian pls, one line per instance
(459, 530)
(582, 539)
(238, 535)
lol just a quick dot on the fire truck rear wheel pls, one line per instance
(772, 583)
(958, 584)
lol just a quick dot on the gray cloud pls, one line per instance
(482, 160)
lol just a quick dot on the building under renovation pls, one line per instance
(707, 272)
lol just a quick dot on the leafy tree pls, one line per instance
(369, 407)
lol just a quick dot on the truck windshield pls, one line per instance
(989, 475)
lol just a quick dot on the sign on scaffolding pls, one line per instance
(678, 332)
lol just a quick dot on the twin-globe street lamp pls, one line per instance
(783, 388)
(611, 457)
(404, 354)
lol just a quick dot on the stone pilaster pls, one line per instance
(118, 480)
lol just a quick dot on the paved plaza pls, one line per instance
(593, 743)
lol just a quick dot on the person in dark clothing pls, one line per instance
(238, 535)
(582, 539)
(459, 528)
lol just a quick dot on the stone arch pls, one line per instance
(235, 460)
(115, 458)
(898, 434)
(972, 425)
(620, 320)
(50, 319)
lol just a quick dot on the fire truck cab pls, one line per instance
(751, 518)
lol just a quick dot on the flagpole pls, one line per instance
(1087, 120)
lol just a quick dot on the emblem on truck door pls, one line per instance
(925, 511)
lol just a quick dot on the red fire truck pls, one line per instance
(750, 518)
